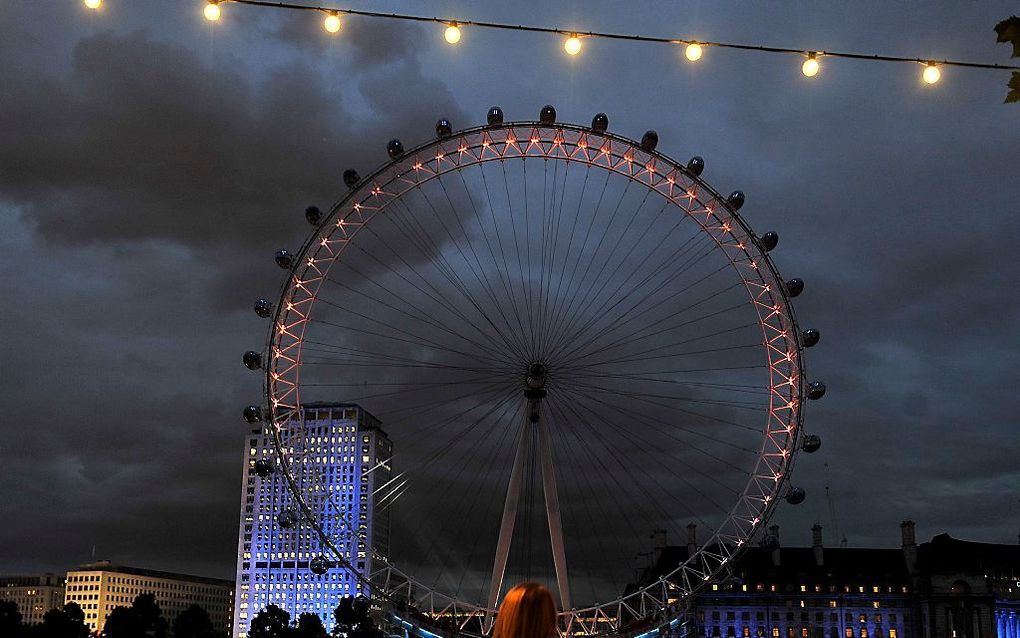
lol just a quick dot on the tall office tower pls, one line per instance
(340, 456)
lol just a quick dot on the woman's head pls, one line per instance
(528, 611)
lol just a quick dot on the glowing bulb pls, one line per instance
(931, 74)
(93, 4)
(212, 11)
(810, 66)
(693, 52)
(452, 34)
(331, 23)
(573, 45)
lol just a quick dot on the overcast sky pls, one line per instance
(150, 164)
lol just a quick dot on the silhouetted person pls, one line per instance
(528, 611)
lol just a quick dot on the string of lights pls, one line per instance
(573, 40)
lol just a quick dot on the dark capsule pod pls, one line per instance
(547, 115)
(443, 128)
(252, 360)
(811, 443)
(769, 240)
(770, 542)
(649, 141)
(395, 148)
(810, 337)
(313, 215)
(696, 165)
(287, 518)
(600, 123)
(351, 178)
(264, 468)
(263, 308)
(494, 116)
(319, 565)
(284, 259)
(253, 414)
(794, 287)
(735, 200)
(816, 390)
(795, 495)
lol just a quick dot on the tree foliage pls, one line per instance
(142, 618)
(1009, 31)
(193, 622)
(309, 626)
(68, 622)
(10, 618)
(271, 622)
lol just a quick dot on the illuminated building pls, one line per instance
(34, 595)
(349, 454)
(945, 588)
(100, 587)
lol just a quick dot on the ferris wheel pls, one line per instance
(578, 349)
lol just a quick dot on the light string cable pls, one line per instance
(574, 38)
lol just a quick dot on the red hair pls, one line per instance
(528, 611)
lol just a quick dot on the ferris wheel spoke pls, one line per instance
(442, 301)
(418, 315)
(639, 493)
(511, 333)
(737, 405)
(671, 277)
(450, 274)
(361, 356)
(618, 322)
(647, 377)
(663, 349)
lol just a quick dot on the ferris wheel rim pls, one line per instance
(302, 264)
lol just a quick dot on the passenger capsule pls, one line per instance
(794, 287)
(313, 215)
(547, 115)
(649, 141)
(810, 337)
(600, 123)
(264, 468)
(284, 259)
(252, 360)
(735, 200)
(811, 443)
(795, 495)
(696, 165)
(770, 542)
(351, 178)
(444, 129)
(253, 414)
(816, 390)
(319, 565)
(263, 308)
(769, 240)
(287, 518)
(494, 116)
(395, 148)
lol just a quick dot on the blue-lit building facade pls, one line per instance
(346, 457)
(945, 588)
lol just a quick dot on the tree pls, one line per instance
(150, 616)
(353, 620)
(10, 618)
(1009, 31)
(271, 622)
(123, 622)
(68, 622)
(309, 626)
(193, 622)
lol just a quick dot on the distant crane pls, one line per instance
(833, 521)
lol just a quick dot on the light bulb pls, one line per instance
(452, 34)
(573, 45)
(810, 66)
(331, 23)
(93, 4)
(931, 74)
(693, 52)
(212, 11)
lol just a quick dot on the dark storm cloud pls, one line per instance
(145, 184)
